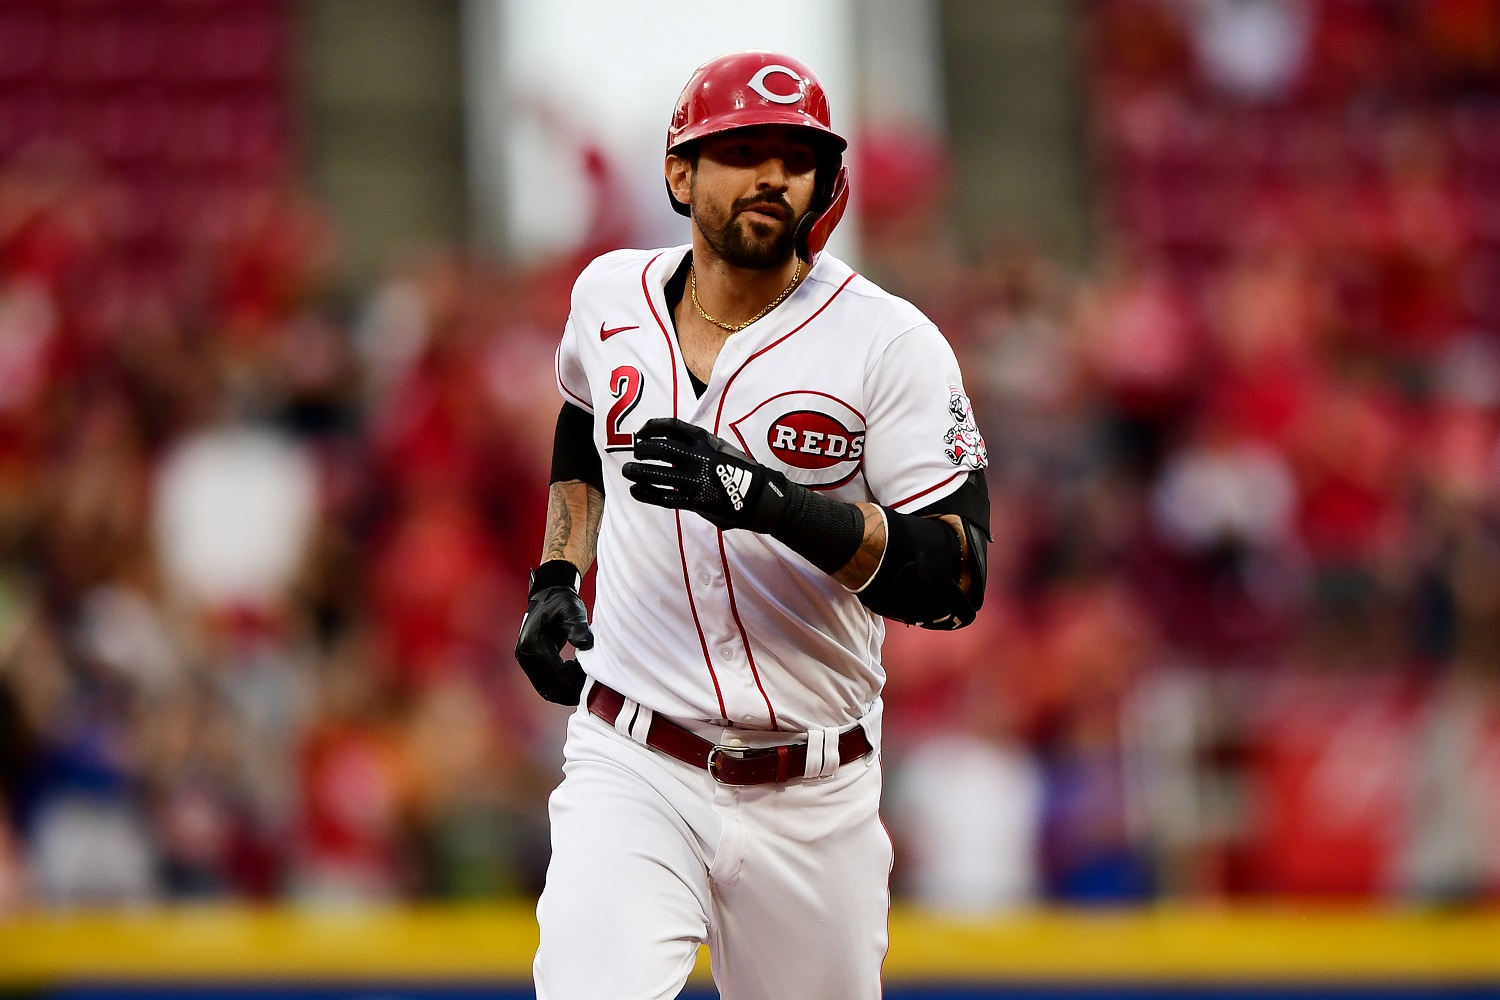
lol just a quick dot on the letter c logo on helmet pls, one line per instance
(758, 84)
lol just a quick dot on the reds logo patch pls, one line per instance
(815, 439)
(808, 439)
(965, 446)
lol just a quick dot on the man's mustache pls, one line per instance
(765, 201)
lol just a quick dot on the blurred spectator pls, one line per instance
(233, 516)
(1253, 49)
(357, 787)
(15, 888)
(1140, 345)
(92, 850)
(1448, 853)
(1226, 493)
(1094, 640)
(482, 798)
(1329, 782)
(965, 808)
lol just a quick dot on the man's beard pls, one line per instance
(731, 242)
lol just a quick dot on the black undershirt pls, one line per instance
(673, 291)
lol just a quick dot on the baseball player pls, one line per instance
(788, 457)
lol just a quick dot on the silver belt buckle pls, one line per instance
(733, 753)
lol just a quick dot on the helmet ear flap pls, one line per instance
(816, 227)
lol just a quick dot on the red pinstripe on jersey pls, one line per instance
(718, 417)
(681, 546)
(744, 636)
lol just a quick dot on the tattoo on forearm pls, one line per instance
(569, 506)
(559, 529)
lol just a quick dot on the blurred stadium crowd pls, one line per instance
(263, 544)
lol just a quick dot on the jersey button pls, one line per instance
(726, 652)
(705, 579)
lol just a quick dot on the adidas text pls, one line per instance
(736, 484)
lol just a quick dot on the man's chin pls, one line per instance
(753, 246)
(761, 231)
(763, 245)
(767, 258)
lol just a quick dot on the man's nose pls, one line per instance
(773, 173)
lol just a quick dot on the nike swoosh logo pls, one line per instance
(606, 334)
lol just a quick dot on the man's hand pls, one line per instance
(555, 615)
(683, 466)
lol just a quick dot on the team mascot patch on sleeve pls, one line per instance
(965, 447)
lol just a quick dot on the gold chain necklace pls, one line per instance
(737, 327)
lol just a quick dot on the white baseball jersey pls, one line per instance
(844, 388)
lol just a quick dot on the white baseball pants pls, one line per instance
(788, 884)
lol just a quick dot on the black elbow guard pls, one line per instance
(917, 582)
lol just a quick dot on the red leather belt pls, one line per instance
(727, 765)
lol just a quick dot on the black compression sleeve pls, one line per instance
(574, 455)
(971, 501)
(917, 580)
(824, 531)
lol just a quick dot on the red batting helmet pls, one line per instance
(766, 88)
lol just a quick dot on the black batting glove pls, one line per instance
(555, 615)
(684, 467)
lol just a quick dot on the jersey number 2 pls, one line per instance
(625, 386)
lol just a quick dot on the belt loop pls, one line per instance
(814, 764)
(641, 727)
(828, 761)
(783, 763)
(626, 717)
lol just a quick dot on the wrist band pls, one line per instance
(824, 531)
(555, 573)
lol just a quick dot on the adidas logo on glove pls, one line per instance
(736, 484)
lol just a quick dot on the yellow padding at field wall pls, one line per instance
(496, 942)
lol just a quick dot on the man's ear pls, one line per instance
(679, 173)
